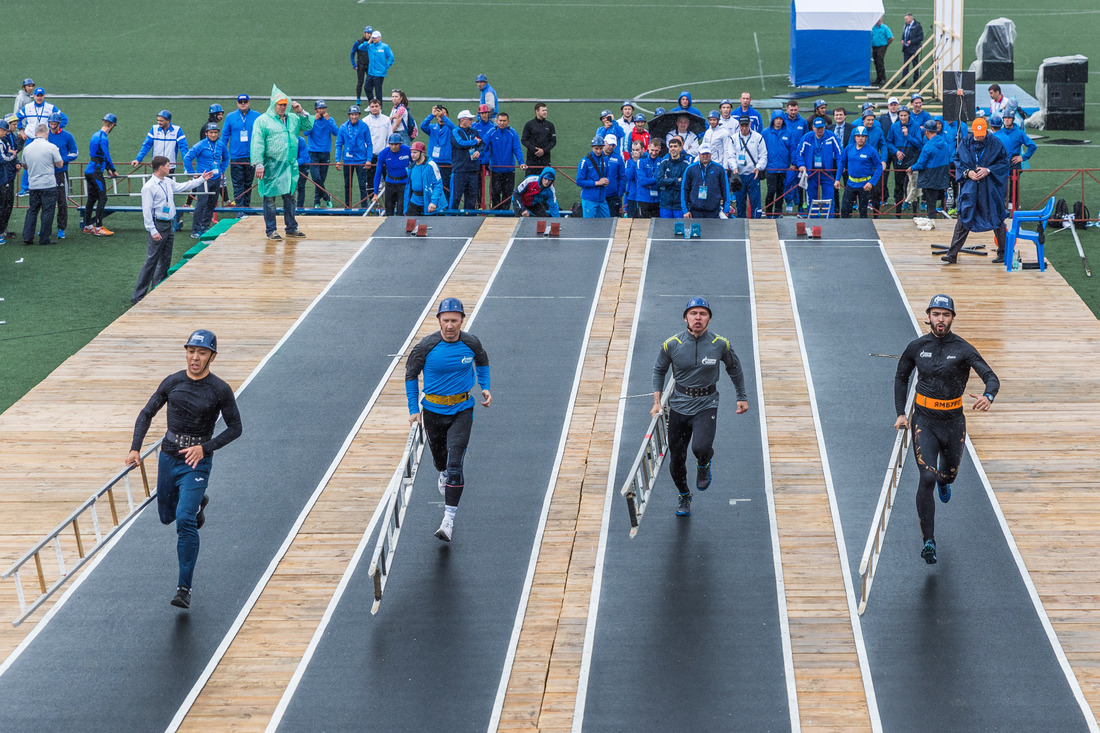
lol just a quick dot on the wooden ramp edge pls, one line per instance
(542, 689)
(245, 688)
(69, 435)
(827, 673)
(1040, 442)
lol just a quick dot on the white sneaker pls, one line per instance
(446, 530)
(443, 483)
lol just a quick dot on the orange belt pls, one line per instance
(457, 399)
(934, 404)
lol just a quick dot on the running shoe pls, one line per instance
(60, 233)
(945, 492)
(196, 235)
(200, 518)
(182, 599)
(3, 239)
(296, 234)
(928, 552)
(102, 232)
(702, 476)
(684, 507)
(274, 236)
(443, 483)
(446, 530)
(88, 230)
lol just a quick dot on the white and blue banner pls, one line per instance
(831, 42)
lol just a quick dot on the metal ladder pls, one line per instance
(651, 456)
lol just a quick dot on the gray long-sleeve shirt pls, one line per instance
(694, 363)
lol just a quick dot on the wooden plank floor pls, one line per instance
(246, 687)
(827, 674)
(1040, 442)
(542, 689)
(70, 433)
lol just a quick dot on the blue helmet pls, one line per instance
(994, 121)
(659, 111)
(481, 77)
(713, 114)
(110, 117)
(597, 142)
(548, 173)
(450, 305)
(941, 301)
(930, 126)
(393, 139)
(697, 302)
(320, 104)
(606, 113)
(216, 108)
(639, 117)
(165, 114)
(203, 338)
(55, 117)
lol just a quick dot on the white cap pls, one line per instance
(376, 34)
(704, 148)
(892, 100)
(611, 140)
(466, 115)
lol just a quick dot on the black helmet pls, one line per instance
(203, 338)
(941, 301)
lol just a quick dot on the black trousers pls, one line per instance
(850, 196)
(938, 446)
(878, 55)
(62, 179)
(7, 200)
(901, 187)
(697, 429)
(777, 184)
(242, 174)
(351, 170)
(932, 198)
(912, 60)
(958, 239)
(44, 201)
(395, 198)
(448, 436)
(318, 171)
(97, 199)
(501, 184)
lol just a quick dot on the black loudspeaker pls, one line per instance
(958, 96)
(1066, 98)
(1070, 72)
(1064, 120)
(997, 58)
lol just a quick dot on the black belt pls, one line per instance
(185, 441)
(696, 391)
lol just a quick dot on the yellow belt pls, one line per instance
(450, 399)
(933, 404)
(860, 180)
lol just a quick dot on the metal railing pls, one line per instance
(651, 456)
(873, 549)
(89, 508)
(399, 491)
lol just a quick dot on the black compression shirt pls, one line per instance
(193, 408)
(943, 366)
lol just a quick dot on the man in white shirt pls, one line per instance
(748, 159)
(379, 125)
(158, 209)
(41, 159)
(691, 140)
(718, 138)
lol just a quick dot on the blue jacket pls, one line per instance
(530, 193)
(591, 169)
(319, 137)
(463, 144)
(780, 145)
(159, 140)
(206, 156)
(934, 163)
(425, 187)
(488, 94)
(396, 166)
(909, 144)
(827, 148)
(1012, 139)
(643, 174)
(380, 57)
(680, 108)
(669, 179)
(757, 124)
(40, 114)
(66, 145)
(981, 204)
(439, 138)
(616, 177)
(717, 183)
(234, 127)
(919, 118)
(505, 151)
(99, 151)
(863, 165)
(877, 140)
(483, 128)
(797, 127)
(303, 154)
(7, 160)
(353, 143)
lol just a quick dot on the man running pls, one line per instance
(943, 362)
(451, 361)
(195, 397)
(694, 355)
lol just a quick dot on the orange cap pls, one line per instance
(979, 127)
(282, 100)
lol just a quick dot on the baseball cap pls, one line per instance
(746, 120)
(713, 114)
(243, 97)
(610, 140)
(39, 90)
(704, 148)
(484, 108)
(466, 115)
(892, 100)
(282, 99)
(979, 127)
(376, 34)
(481, 77)
(819, 122)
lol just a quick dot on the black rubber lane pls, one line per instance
(688, 636)
(117, 656)
(432, 658)
(832, 230)
(956, 646)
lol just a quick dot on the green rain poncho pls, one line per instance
(275, 147)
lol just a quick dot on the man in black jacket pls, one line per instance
(539, 138)
(912, 38)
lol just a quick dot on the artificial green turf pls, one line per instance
(60, 297)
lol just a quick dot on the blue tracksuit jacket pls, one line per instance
(319, 137)
(439, 138)
(353, 143)
(505, 151)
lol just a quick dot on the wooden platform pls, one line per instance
(1039, 446)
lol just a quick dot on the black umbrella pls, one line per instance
(663, 124)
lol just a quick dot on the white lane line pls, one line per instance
(41, 625)
(698, 241)
(1040, 610)
(231, 634)
(609, 499)
(777, 560)
(506, 673)
(353, 564)
(643, 95)
(759, 59)
(842, 549)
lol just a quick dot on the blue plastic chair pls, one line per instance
(1015, 232)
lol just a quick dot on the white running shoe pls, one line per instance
(443, 483)
(446, 530)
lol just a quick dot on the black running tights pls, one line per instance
(681, 430)
(938, 445)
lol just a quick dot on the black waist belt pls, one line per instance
(185, 441)
(696, 391)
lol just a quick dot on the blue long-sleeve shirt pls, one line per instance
(380, 59)
(863, 165)
(708, 177)
(505, 151)
(645, 179)
(463, 144)
(395, 166)
(237, 133)
(439, 138)
(99, 150)
(822, 153)
(303, 154)
(449, 369)
(1013, 140)
(319, 137)
(207, 156)
(168, 142)
(353, 143)
(66, 145)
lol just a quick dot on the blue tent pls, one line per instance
(831, 42)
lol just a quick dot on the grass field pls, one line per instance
(58, 298)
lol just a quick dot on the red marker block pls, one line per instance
(540, 227)
(555, 229)
(800, 228)
(422, 230)
(410, 226)
(816, 232)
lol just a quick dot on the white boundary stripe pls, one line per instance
(1052, 636)
(506, 673)
(107, 548)
(697, 240)
(842, 549)
(184, 708)
(826, 242)
(353, 564)
(609, 499)
(777, 560)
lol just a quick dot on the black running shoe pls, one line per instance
(684, 508)
(182, 598)
(928, 552)
(200, 518)
(702, 476)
